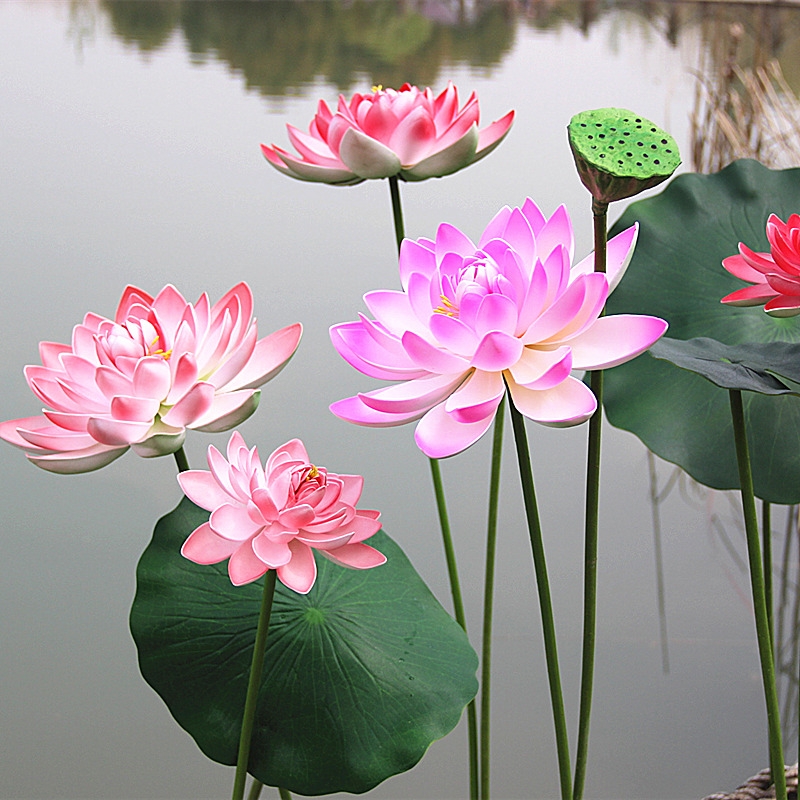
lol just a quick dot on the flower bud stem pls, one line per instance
(181, 460)
(545, 602)
(253, 686)
(759, 594)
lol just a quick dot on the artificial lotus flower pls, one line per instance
(775, 275)
(472, 320)
(405, 132)
(274, 516)
(162, 365)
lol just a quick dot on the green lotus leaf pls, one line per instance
(676, 273)
(741, 367)
(360, 675)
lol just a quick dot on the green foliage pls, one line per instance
(360, 676)
(676, 273)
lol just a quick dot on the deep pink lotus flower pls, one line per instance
(775, 275)
(274, 516)
(406, 132)
(162, 365)
(471, 320)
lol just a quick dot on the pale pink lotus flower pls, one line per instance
(471, 320)
(775, 275)
(162, 365)
(407, 132)
(274, 516)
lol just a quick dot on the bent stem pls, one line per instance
(253, 685)
(545, 603)
(488, 597)
(759, 594)
(181, 460)
(600, 216)
(449, 552)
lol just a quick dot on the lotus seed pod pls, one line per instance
(619, 154)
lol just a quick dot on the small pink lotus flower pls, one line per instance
(472, 320)
(775, 275)
(272, 517)
(406, 132)
(140, 380)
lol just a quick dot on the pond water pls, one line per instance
(129, 154)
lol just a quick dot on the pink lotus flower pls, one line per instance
(273, 517)
(406, 132)
(140, 380)
(775, 275)
(471, 320)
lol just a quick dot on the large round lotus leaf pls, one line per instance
(360, 675)
(676, 273)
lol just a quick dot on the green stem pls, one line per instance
(285, 795)
(397, 211)
(181, 460)
(488, 598)
(458, 610)
(255, 790)
(253, 685)
(600, 217)
(449, 552)
(545, 604)
(766, 545)
(759, 594)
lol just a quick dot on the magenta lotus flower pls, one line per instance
(140, 380)
(775, 275)
(472, 320)
(405, 132)
(274, 516)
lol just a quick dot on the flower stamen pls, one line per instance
(448, 308)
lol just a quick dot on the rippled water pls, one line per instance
(129, 154)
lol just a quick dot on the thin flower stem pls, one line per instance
(255, 790)
(397, 211)
(545, 604)
(488, 598)
(285, 795)
(759, 594)
(449, 552)
(254, 684)
(600, 217)
(766, 545)
(458, 610)
(181, 460)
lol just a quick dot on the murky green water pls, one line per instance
(129, 136)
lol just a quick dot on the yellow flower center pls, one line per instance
(447, 307)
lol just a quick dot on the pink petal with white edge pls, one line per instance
(614, 340)
(227, 410)
(556, 232)
(415, 257)
(134, 409)
(353, 409)
(452, 158)
(542, 369)
(193, 405)
(439, 435)
(619, 252)
(750, 295)
(245, 566)
(477, 398)
(78, 461)
(274, 553)
(201, 488)
(411, 397)
(54, 439)
(355, 556)
(270, 356)
(161, 441)
(297, 168)
(450, 239)
(9, 430)
(301, 572)
(740, 268)
(430, 358)
(366, 157)
(117, 433)
(569, 403)
(497, 351)
(493, 134)
(205, 547)
(152, 378)
(783, 306)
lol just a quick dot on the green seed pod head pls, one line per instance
(619, 154)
